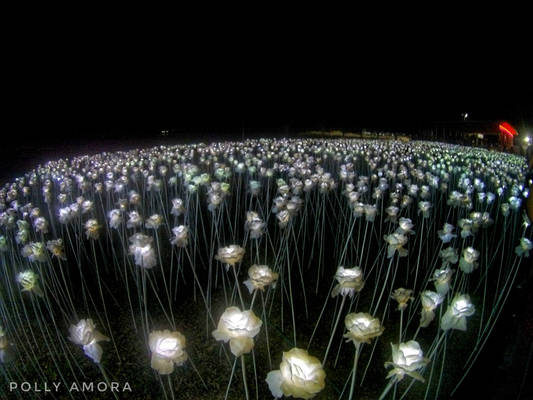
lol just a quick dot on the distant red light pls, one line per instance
(507, 129)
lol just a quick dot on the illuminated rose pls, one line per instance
(92, 229)
(168, 348)
(362, 327)
(449, 256)
(154, 222)
(396, 242)
(468, 260)
(239, 328)
(446, 234)
(455, 316)
(300, 375)
(115, 218)
(430, 300)
(177, 207)
(254, 224)
(406, 359)
(181, 236)
(350, 281)
(57, 248)
(28, 280)
(85, 334)
(230, 255)
(402, 296)
(524, 247)
(405, 226)
(260, 276)
(141, 248)
(441, 280)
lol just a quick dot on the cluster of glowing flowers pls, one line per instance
(57, 248)
(407, 358)
(254, 224)
(85, 335)
(441, 279)
(181, 236)
(300, 375)
(239, 328)
(260, 276)
(350, 281)
(28, 280)
(396, 241)
(402, 296)
(230, 255)
(468, 262)
(34, 251)
(430, 301)
(446, 234)
(141, 248)
(168, 349)
(455, 316)
(92, 229)
(362, 327)
(524, 247)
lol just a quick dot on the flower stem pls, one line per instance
(244, 377)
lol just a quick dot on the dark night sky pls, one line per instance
(47, 120)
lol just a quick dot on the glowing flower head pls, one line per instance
(424, 207)
(405, 226)
(168, 348)
(92, 229)
(230, 255)
(177, 207)
(154, 222)
(28, 280)
(57, 248)
(350, 281)
(181, 236)
(407, 358)
(396, 242)
(430, 300)
(402, 296)
(115, 218)
(35, 251)
(85, 334)
(141, 248)
(441, 279)
(239, 328)
(260, 276)
(362, 327)
(449, 256)
(446, 234)
(300, 375)
(455, 316)
(254, 224)
(468, 262)
(524, 247)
